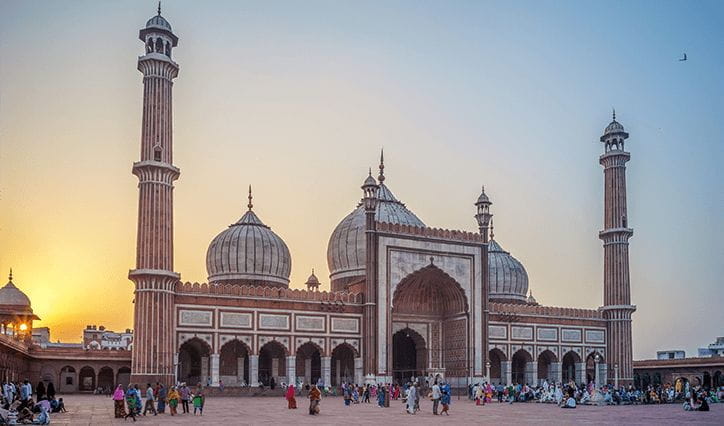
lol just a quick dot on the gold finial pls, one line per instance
(159, 8)
(614, 114)
(492, 234)
(381, 177)
(10, 276)
(250, 205)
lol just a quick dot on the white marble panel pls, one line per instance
(236, 319)
(345, 325)
(595, 336)
(570, 335)
(547, 334)
(521, 333)
(271, 321)
(195, 318)
(498, 332)
(309, 323)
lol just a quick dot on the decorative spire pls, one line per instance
(492, 234)
(250, 205)
(614, 114)
(381, 177)
(159, 8)
(10, 276)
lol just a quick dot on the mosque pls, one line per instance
(405, 299)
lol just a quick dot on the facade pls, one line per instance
(670, 355)
(405, 300)
(706, 371)
(98, 338)
(714, 349)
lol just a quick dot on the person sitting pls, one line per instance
(570, 402)
(703, 405)
(43, 418)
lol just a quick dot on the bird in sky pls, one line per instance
(683, 59)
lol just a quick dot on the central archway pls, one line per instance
(193, 360)
(409, 355)
(432, 302)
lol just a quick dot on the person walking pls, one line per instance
(291, 400)
(445, 400)
(118, 397)
(411, 397)
(185, 396)
(162, 394)
(198, 401)
(131, 403)
(173, 397)
(314, 397)
(150, 406)
(436, 395)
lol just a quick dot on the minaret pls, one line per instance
(370, 325)
(617, 307)
(154, 279)
(485, 226)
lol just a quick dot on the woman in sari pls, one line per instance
(118, 396)
(173, 398)
(314, 397)
(411, 398)
(292, 402)
(131, 402)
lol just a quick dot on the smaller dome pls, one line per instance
(158, 21)
(12, 296)
(531, 299)
(613, 127)
(507, 277)
(370, 181)
(312, 281)
(483, 198)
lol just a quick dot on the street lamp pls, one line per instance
(615, 371)
(596, 360)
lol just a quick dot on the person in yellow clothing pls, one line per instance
(173, 399)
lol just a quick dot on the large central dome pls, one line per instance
(507, 276)
(346, 250)
(249, 252)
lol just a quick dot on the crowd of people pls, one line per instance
(131, 402)
(18, 406)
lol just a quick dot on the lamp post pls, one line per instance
(596, 360)
(615, 377)
(487, 371)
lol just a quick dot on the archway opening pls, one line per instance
(570, 359)
(193, 360)
(106, 378)
(309, 363)
(545, 370)
(409, 355)
(67, 381)
(87, 379)
(124, 376)
(342, 365)
(272, 362)
(707, 380)
(520, 367)
(718, 380)
(234, 363)
(591, 366)
(433, 299)
(496, 358)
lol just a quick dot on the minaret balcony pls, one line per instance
(616, 235)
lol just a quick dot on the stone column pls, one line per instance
(555, 372)
(338, 374)
(292, 370)
(254, 370)
(308, 370)
(506, 371)
(358, 371)
(581, 373)
(603, 373)
(327, 370)
(204, 370)
(275, 369)
(531, 373)
(214, 369)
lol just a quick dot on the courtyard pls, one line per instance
(98, 410)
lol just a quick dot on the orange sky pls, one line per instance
(297, 101)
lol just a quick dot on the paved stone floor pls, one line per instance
(98, 410)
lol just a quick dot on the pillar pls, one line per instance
(204, 370)
(254, 370)
(308, 370)
(358, 370)
(214, 369)
(531, 373)
(327, 370)
(581, 373)
(275, 369)
(603, 373)
(292, 370)
(555, 372)
(506, 371)
(338, 374)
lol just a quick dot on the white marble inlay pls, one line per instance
(596, 336)
(347, 325)
(195, 318)
(570, 335)
(310, 323)
(236, 319)
(521, 333)
(548, 334)
(498, 331)
(270, 321)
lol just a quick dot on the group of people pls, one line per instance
(17, 404)
(568, 395)
(313, 393)
(129, 402)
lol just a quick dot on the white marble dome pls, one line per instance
(346, 250)
(507, 276)
(158, 21)
(248, 252)
(12, 296)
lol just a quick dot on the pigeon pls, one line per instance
(683, 59)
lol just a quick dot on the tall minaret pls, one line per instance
(617, 307)
(154, 279)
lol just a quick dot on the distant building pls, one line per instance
(714, 349)
(41, 335)
(670, 355)
(98, 338)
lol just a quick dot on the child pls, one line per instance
(198, 401)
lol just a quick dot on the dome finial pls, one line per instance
(159, 8)
(10, 276)
(614, 114)
(250, 205)
(492, 234)
(381, 177)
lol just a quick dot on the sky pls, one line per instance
(298, 98)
